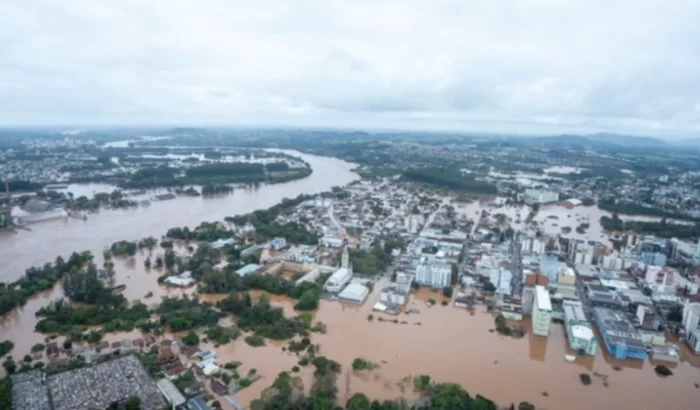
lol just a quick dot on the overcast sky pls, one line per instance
(530, 66)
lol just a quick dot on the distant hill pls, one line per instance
(601, 139)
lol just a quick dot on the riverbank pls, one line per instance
(61, 237)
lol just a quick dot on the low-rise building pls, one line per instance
(621, 338)
(354, 293)
(578, 330)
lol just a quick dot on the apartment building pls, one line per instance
(541, 312)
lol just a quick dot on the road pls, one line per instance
(335, 221)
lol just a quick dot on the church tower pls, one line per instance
(345, 260)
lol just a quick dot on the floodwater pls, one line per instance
(447, 343)
(552, 218)
(49, 239)
(452, 344)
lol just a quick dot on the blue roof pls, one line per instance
(248, 269)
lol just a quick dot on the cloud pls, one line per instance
(501, 65)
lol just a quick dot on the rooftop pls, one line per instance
(537, 279)
(582, 332)
(248, 269)
(542, 297)
(101, 385)
(617, 328)
(28, 391)
(174, 396)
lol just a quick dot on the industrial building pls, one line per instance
(578, 331)
(541, 312)
(621, 338)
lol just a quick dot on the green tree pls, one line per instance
(191, 339)
(447, 291)
(132, 403)
(358, 401)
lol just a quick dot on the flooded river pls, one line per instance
(449, 344)
(61, 237)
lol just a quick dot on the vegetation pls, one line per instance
(632, 208)
(214, 189)
(287, 393)
(371, 262)
(662, 228)
(363, 364)
(99, 307)
(260, 317)
(447, 291)
(191, 339)
(186, 313)
(222, 335)
(5, 393)
(255, 340)
(38, 279)
(307, 293)
(6, 347)
(503, 328)
(448, 178)
(124, 248)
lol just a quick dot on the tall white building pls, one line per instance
(691, 316)
(541, 312)
(435, 274)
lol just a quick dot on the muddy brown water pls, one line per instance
(450, 344)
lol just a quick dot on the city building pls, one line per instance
(248, 269)
(621, 338)
(691, 316)
(541, 312)
(433, 273)
(528, 295)
(337, 281)
(354, 293)
(578, 331)
(647, 318)
(693, 340)
(220, 243)
(566, 276)
(654, 258)
(278, 243)
(541, 196)
(549, 265)
(182, 280)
